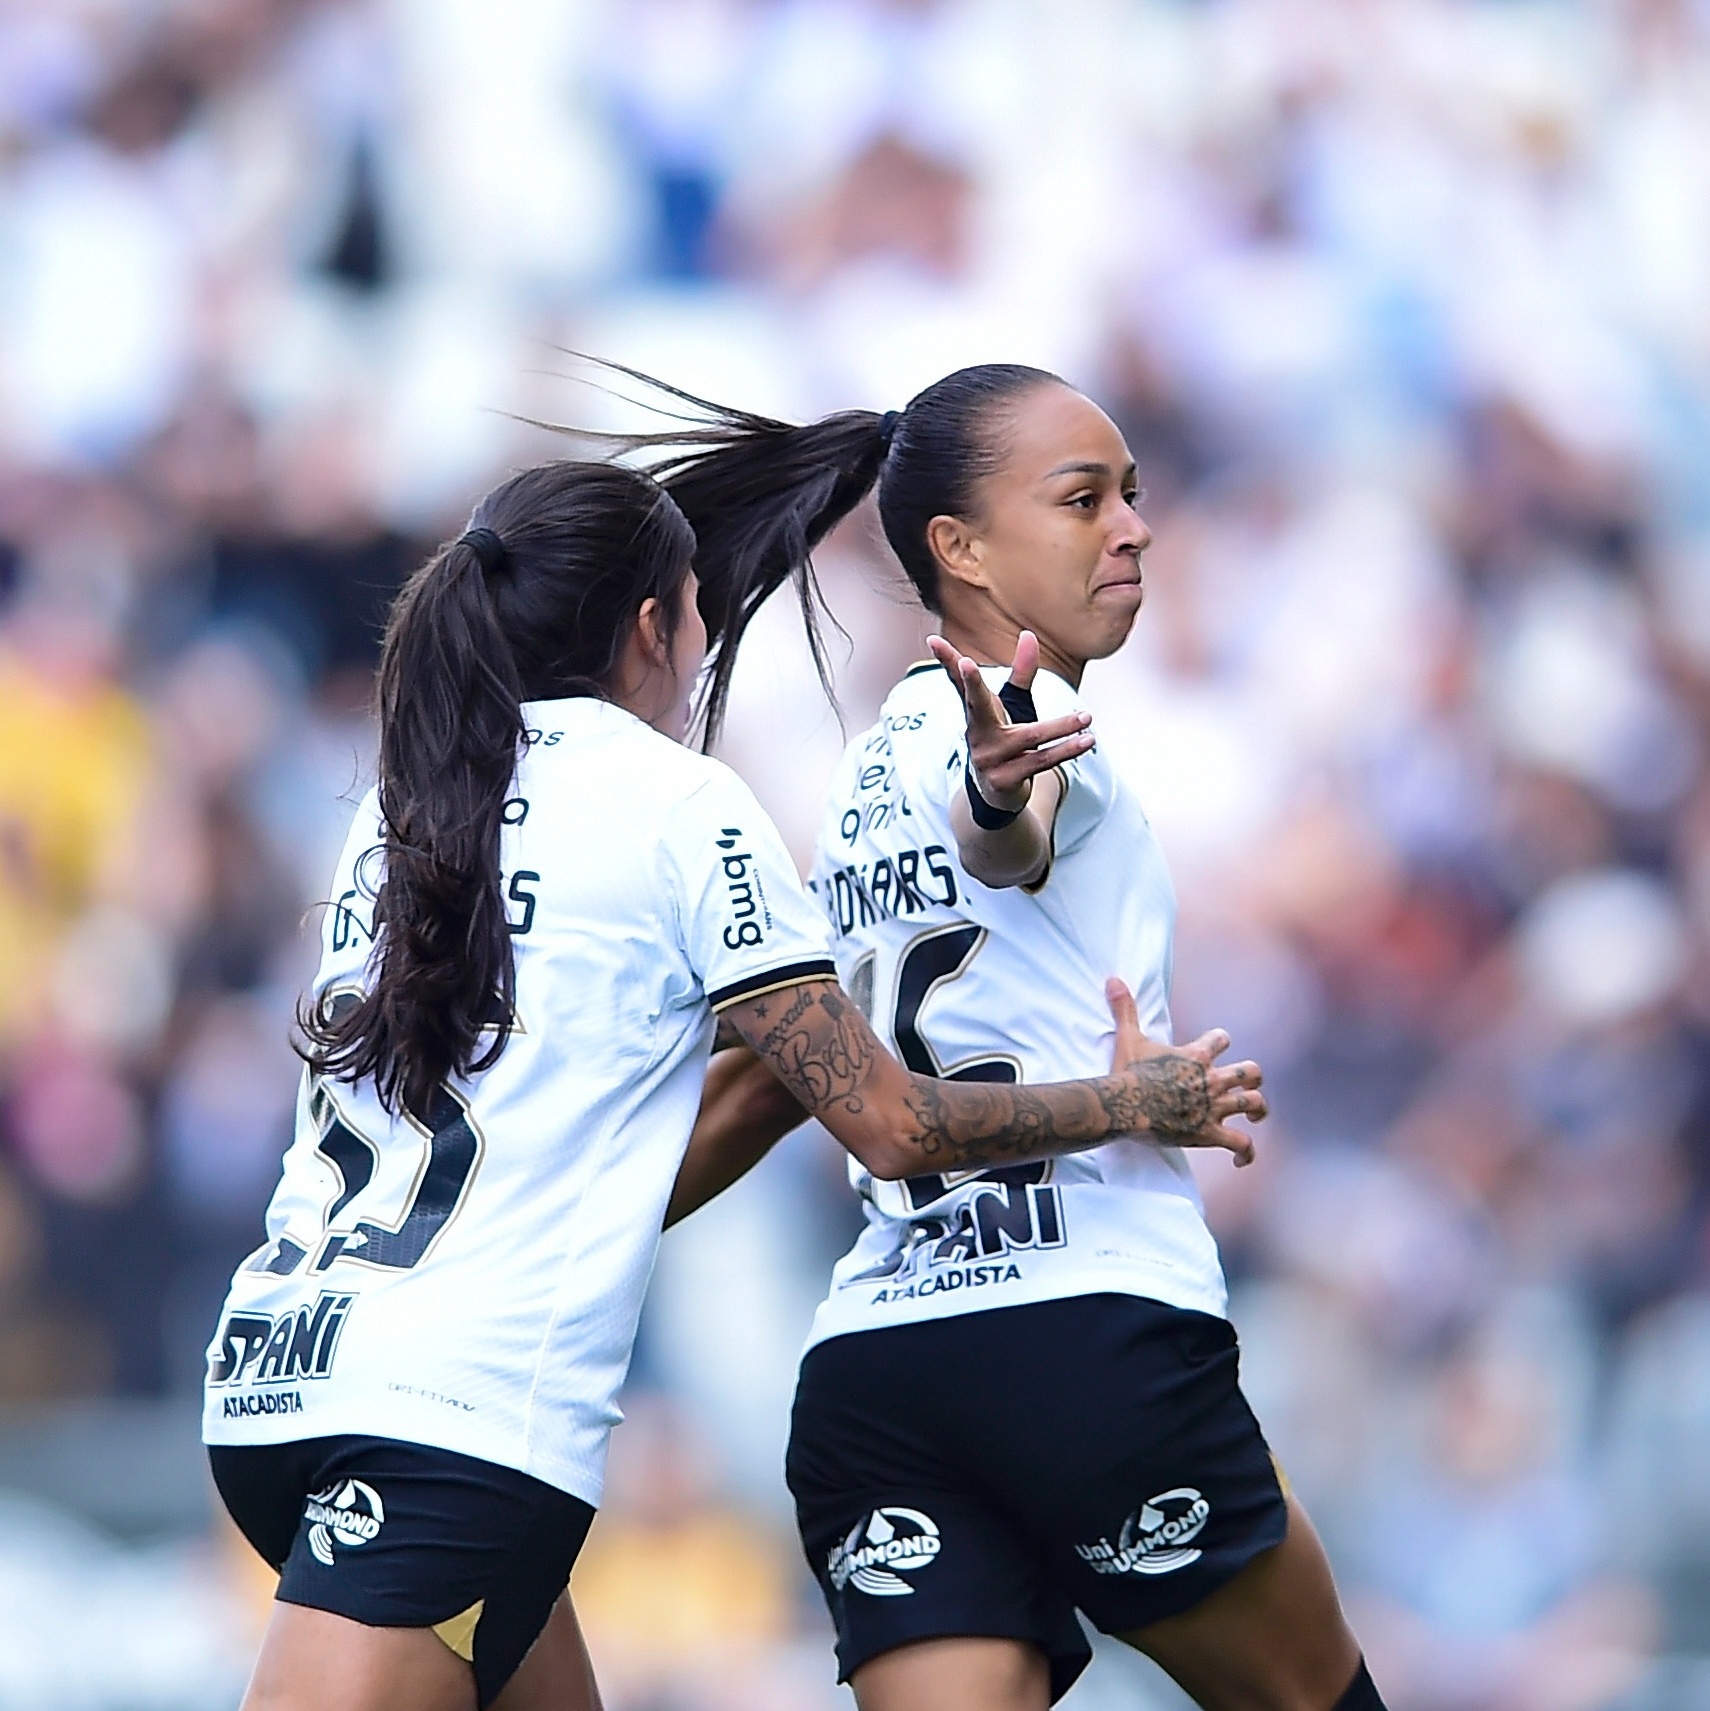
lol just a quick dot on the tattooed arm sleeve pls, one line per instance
(820, 1046)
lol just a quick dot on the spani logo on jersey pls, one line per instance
(890, 1543)
(267, 1348)
(749, 916)
(1156, 1538)
(986, 1216)
(348, 1513)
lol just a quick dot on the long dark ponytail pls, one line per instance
(534, 602)
(762, 494)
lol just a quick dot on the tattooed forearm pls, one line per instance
(961, 1125)
(820, 1046)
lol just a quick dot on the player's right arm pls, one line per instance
(898, 1124)
(1003, 818)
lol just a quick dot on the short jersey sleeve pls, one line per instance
(748, 923)
(1089, 783)
(1089, 791)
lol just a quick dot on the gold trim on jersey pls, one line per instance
(789, 978)
(458, 1632)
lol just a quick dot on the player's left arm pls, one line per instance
(745, 1111)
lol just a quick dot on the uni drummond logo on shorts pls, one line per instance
(349, 1513)
(1156, 1538)
(879, 1551)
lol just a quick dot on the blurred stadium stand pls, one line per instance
(1405, 308)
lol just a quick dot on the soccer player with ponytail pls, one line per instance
(537, 916)
(1020, 1398)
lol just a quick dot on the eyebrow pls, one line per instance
(1088, 469)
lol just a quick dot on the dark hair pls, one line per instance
(534, 602)
(761, 494)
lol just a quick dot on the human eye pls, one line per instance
(1084, 501)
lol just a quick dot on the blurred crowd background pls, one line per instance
(1404, 307)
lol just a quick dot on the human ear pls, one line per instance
(957, 549)
(650, 633)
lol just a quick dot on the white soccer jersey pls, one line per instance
(474, 1283)
(1002, 985)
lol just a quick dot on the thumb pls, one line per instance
(1026, 666)
(1129, 1040)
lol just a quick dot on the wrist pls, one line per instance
(992, 815)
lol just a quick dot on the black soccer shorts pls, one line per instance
(398, 1535)
(991, 1472)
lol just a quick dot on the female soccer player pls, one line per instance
(537, 915)
(1020, 1397)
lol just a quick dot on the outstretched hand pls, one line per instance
(1185, 1096)
(1006, 757)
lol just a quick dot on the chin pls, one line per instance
(1111, 636)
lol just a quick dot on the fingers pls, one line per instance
(985, 711)
(1230, 1140)
(1240, 1102)
(1026, 665)
(1226, 1077)
(982, 704)
(1217, 1133)
(1130, 1042)
(949, 658)
(1005, 758)
(1010, 740)
(1012, 774)
(1209, 1047)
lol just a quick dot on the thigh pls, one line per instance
(557, 1674)
(1272, 1639)
(313, 1660)
(955, 1674)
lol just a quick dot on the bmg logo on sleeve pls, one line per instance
(749, 916)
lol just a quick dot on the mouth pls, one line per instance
(1122, 582)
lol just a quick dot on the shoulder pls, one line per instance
(923, 700)
(581, 739)
(922, 720)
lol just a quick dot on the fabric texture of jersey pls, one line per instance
(1124, 1476)
(401, 1536)
(1002, 985)
(474, 1281)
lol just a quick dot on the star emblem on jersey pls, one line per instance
(880, 1550)
(348, 1513)
(1155, 1539)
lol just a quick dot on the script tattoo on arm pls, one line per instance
(821, 1047)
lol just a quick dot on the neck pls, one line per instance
(990, 637)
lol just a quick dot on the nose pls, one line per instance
(1131, 534)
